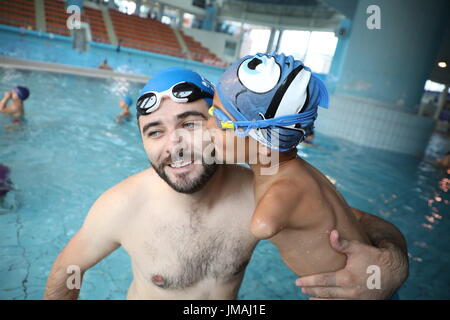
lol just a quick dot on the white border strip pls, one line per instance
(6, 62)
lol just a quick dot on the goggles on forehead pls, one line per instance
(285, 122)
(179, 92)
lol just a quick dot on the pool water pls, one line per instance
(70, 151)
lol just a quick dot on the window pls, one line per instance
(255, 41)
(230, 48)
(315, 48)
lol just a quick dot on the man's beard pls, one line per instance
(185, 184)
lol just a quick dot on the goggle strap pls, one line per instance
(302, 118)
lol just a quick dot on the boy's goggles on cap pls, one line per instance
(224, 122)
(179, 92)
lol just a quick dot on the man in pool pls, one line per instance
(186, 225)
(16, 108)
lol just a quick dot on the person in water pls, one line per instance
(309, 140)
(5, 182)
(124, 104)
(445, 161)
(104, 65)
(15, 109)
(185, 225)
(272, 100)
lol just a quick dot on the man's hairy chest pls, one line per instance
(179, 254)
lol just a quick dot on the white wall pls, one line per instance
(215, 42)
(184, 5)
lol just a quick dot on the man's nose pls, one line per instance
(175, 145)
(175, 137)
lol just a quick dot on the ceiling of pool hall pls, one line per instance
(295, 14)
(300, 8)
(286, 14)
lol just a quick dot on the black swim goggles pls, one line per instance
(179, 92)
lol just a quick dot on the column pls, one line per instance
(441, 102)
(391, 64)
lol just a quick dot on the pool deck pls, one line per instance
(6, 62)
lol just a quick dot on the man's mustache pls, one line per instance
(178, 155)
(182, 155)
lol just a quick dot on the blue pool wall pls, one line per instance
(374, 124)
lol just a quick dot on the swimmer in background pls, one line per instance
(105, 65)
(273, 99)
(124, 104)
(16, 108)
(5, 182)
(309, 139)
(445, 161)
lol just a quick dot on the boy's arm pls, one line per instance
(272, 212)
(279, 209)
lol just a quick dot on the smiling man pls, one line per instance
(186, 224)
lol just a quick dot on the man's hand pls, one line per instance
(351, 282)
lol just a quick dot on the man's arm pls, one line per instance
(389, 253)
(381, 233)
(97, 238)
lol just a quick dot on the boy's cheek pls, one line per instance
(211, 123)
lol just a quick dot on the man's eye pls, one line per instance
(154, 134)
(190, 125)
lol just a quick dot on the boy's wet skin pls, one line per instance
(297, 206)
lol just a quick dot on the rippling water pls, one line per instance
(70, 151)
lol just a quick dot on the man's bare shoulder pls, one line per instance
(239, 183)
(111, 212)
(239, 173)
(127, 193)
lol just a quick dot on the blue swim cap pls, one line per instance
(267, 86)
(22, 92)
(128, 100)
(166, 78)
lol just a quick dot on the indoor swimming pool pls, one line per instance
(70, 150)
